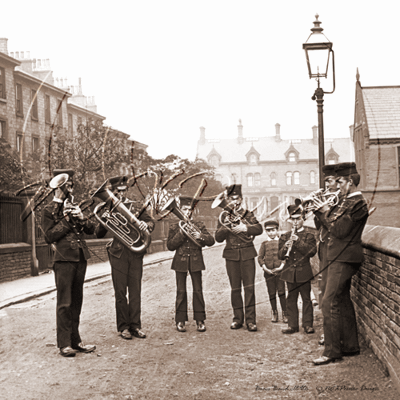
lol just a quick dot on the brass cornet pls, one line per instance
(324, 197)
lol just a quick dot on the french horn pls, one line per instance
(185, 225)
(120, 221)
(229, 217)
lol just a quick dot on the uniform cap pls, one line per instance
(234, 190)
(346, 169)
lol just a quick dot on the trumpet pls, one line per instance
(324, 197)
(230, 217)
(185, 225)
(120, 221)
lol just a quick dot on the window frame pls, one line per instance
(3, 129)
(296, 178)
(59, 112)
(35, 149)
(19, 103)
(47, 112)
(250, 180)
(312, 177)
(3, 83)
(257, 179)
(294, 156)
(273, 178)
(289, 175)
(19, 144)
(34, 107)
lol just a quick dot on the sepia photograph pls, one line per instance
(199, 200)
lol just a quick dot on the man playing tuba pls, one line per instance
(126, 269)
(239, 254)
(189, 258)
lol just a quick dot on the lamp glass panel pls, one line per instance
(318, 61)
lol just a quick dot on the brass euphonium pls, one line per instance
(229, 217)
(186, 226)
(120, 221)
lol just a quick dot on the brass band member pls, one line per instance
(330, 184)
(64, 227)
(126, 269)
(345, 223)
(188, 258)
(239, 255)
(297, 247)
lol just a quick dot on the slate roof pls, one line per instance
(382, 109)
(271, 150)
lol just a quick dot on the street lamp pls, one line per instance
(318, 50)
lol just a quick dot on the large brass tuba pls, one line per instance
(229, 217)
(120, 221)
(185, 225)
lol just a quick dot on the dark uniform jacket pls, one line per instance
(115, 247)
(345, 223)
(297, 267)
(188, 256)
(237, 249)
(67, 236)
(268, 254)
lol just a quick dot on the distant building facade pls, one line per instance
(272, 171)
(376, 137)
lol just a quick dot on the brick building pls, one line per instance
(33, 103)
(269, 167)
(376, 137)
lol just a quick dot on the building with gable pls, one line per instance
(376, 137)
(272, 170)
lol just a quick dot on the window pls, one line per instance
(332, 160)
(20, 143)
(257, 179)
(79, 121)
(296, 178)
(47, 115)
(312, 177)
(292, 157)
(253, 159)
(249, 178)
(214, 161)
(35, 144)
(2, 83)
(3, 129)
(18, 100)
(234, 178)
(34, 108)
(273, 179)
(70, 127)
(59, 113)
(288, 178)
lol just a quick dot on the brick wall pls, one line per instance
(15, 261)
(376, 295)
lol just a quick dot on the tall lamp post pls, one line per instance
(318, 50)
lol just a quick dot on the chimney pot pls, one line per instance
(315, 134)
(22, 55)
(17, 54)
(3, 46)
(277, 132)
(28, 55)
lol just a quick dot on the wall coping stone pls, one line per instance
(14, 247)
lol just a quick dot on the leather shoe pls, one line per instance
(84, 348)
(309, 329)
(200, 326)
(351, 353)
(125, 334)
(251, 327)
(68, 351)
(290, 330)
(236, 325)
(284, 317)
(321, 340)
(274, 316)
(138, 333)
(324, 360)
(180, 326)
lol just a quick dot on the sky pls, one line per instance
(161, 69)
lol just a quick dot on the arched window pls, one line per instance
(234, 178)
(296, 178)
(288, 178)
(257, 179)
(273, 179)
(292, 157)
(250, 179)
(312, 177)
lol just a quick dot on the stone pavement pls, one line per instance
(24, 289)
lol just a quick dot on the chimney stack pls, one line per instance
(3, 45)
(202, 135)
(240, 138)
(315, 134)
(277, 132)
(351, 127)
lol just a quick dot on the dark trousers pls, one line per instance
(69, 277)
(242, 272)
(275, 284)
(304, 288)
(126, 273)
(338, 310)
(323, 268)
(199, 313)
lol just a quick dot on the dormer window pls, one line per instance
(292, 157)
(253, 159)
(253, 156)
(214, 161)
